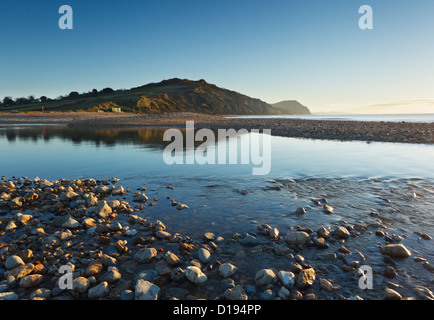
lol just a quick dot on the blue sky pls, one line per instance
(308, 50)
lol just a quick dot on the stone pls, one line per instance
(236, 293)
(195, 275)
(305, 278)
(11, 226)
(127, 295)
(227, 270)
(300, 211)
(353, 259)
(265, 277)
(111, 275)
(424, 293)
(103, 210)
(396, 251)
(204, 255)
(80, 285)
(173, 260)
(287, 278)
(326, 285)
(274, 234)
(342, 232)
(20, 271)
(389, 272)
(140, 197)
(13, 262)
(71, 223)
(320, 243)
(284, 293)
(145, 255)
(93, 269)
(31, 280)
(107, 260)
(99, 291)
(390, 294)
(41, 293)
(161, 234)
(145, 290)
(8, 296)
(323, 233)
(297, 238)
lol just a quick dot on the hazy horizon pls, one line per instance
(311, 52)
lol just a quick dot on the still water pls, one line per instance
(391, 179)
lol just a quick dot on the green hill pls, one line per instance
(173, 95)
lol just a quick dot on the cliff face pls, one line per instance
(202, 97)
(292, 107)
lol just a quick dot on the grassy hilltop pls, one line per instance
(174, 95)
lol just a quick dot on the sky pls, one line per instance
(306, 50)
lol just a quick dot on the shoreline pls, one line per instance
(117, 252)
(342, 130)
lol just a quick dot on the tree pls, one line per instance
(107, 90)
(8, 101)
(22, 100)
(73, 95)
(43, 99)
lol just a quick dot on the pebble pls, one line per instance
(305, 278)
(396, 251)
(13, 262)
(265, 277)
(390, 294)
(227, 270)
(204, 255)
(195, 275)
(145, 290)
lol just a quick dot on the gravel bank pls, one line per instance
(404, 132)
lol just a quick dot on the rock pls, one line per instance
(177, 274)
(424, 293)
(389, 272)
(148, 275)
(31, 280)
(111, 275)
(13, 262)
(11, 226)
(41, 293)
(160, 234)
(300, 211)
(103, 210)
(250, 241)
(390, 294)
(320, 243)
(297, 238)
(127, 295)
(71, 223)
(305, 278)
(236, 293)
(267, 295)
(328, 209)
(181, 206)
(145, 255)
(353, 259)
(342, 232)
(162, 267)
(284, 293)
(204, 255)
(20, 271)
(140, 197)
(227, 270)
(265, 277)
(396, 251)
(93, 269)
(80, 285)
(323, 233)
(107, 260)
(209, 236)
(195, 275)
(8, 296)
(173, 260)
(99, 291)
(326, 285)
(274, 234)
(287, 278)
(146, 290)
